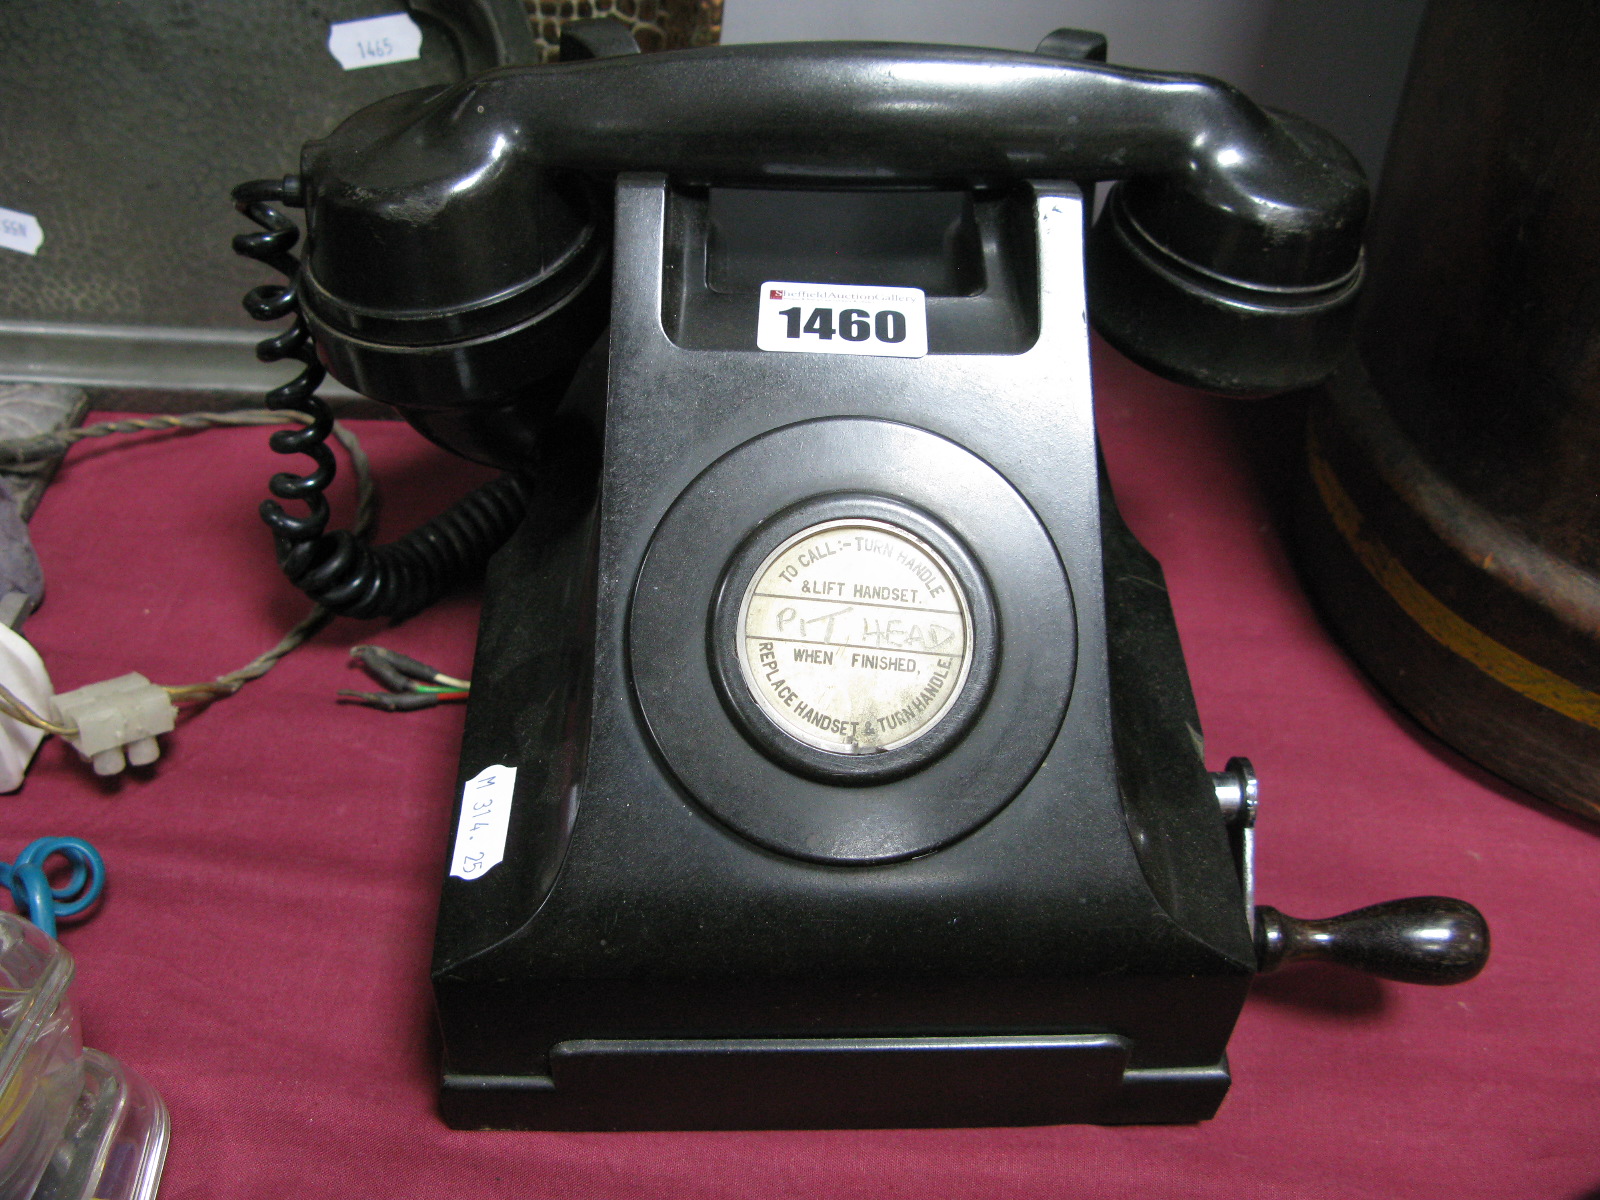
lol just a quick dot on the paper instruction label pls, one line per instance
(485, 816)
(20, 231)
(838, 318)
(375, 41)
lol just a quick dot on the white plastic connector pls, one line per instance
(117, 721)
(22, 672)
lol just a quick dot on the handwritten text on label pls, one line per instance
(374, 41)
(20, 231)
(485, 816)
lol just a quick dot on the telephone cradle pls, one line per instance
(835, 757)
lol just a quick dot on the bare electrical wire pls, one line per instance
(11, 705)
(412, 684)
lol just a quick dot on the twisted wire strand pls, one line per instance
(20, 451)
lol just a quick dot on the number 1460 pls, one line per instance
(855, 324)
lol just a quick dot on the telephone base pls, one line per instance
(835, 1083)
(698, 922)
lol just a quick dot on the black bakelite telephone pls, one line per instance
(830, 759)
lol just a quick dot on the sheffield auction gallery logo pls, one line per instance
(774, 294)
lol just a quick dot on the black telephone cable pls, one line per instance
(339, 570)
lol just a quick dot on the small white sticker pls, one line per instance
(374, 41)
(20, 231)
(829, 318)
(485, 814)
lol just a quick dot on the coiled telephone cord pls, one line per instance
(341, 570)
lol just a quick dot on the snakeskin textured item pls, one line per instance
(656, 24)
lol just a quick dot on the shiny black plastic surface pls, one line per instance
(916, 802)
(687, 933)
(457, 235)
(1241, 193)
(1423, 939)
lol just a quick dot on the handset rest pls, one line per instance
(439, 217)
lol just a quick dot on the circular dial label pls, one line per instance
(855, 637)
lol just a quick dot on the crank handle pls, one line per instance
(1424, 939)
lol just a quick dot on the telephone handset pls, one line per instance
(457, 236)
(833, 762)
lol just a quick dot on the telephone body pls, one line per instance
(857, 779)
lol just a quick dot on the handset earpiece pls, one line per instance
(1202, 292)
(457, 237)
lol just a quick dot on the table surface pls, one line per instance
(261, 954)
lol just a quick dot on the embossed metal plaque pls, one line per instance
(855, 637)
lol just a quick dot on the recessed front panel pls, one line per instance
(855, 637)
(821, 640)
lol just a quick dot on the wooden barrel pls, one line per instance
(1451, 519)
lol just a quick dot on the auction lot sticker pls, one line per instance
(832, 318)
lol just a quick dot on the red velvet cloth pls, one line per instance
(261, 954)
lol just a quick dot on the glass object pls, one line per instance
(74, 1124)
